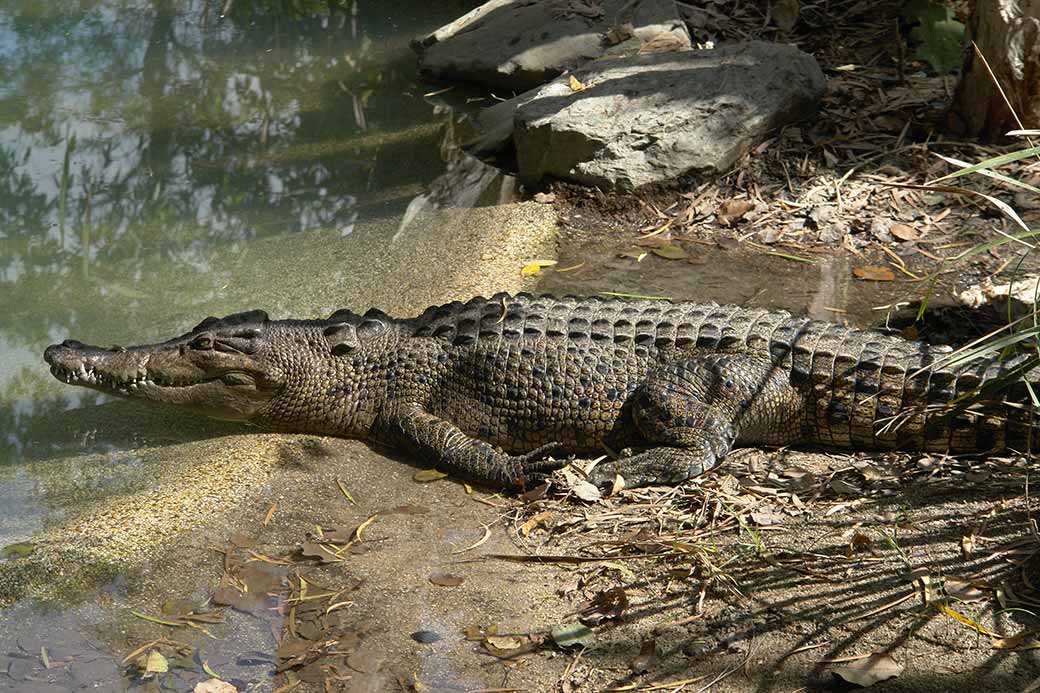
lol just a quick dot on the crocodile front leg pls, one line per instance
(693, 411)
(442, 444)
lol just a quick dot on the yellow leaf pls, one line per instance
(874, 273)
(427, 475)
(575, 83)
(532, 267)
(156, 663)
(966, 621)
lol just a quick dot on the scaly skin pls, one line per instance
(487, 389)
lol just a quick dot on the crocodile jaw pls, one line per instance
(161, 373)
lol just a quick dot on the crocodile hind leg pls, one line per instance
(442, 444)
(692, 412)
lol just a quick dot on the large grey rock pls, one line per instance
(650, 118)
(515, 45)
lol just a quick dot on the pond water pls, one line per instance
(146, 146)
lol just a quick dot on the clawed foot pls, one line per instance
(658, 466)
(534, 465)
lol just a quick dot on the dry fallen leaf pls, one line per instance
(535, 494)
(842, 487)
(575, 83)
(870, 670)
(904, 232)
(424, 476)
(446, 580)
(580, 487)
(874, 273)
(505, 642)
(618, 486)
(664, 42)
(535, 521)
(732, 210)
(571, 634)
(619, 33)
(215, 686)
(156, 663)
(962, 590)
(1020, 641)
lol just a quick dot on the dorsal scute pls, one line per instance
(257, 317)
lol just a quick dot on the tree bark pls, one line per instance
(1007, 32)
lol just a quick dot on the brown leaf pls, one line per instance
(323, 552)
(909, 333)
(664, 42)
(874, 273)
(962, 590)
(505, 642)
(1019, 641)
(619, 33)
(767, 519)
(860, 541)
(732, 210)
(261, 578)
(291, 654)
(870, 670)
(425, 476)
(579, 487)
(904, 232)
(842, 487)
(246, 603)
(535, 494)
(535, 521)
(611, 603)
(446, 580)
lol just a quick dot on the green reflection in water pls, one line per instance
(145, 147)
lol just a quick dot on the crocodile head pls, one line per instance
(281, 374)
(222, 368)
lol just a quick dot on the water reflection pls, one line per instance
(145, 136)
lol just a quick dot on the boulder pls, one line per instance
(652, 117)
(515, 45)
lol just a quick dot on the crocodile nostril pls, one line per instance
(73, 344)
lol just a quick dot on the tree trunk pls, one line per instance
(1007, 32)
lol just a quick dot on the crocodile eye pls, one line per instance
(202, 342)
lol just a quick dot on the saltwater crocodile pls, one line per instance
(491, 389)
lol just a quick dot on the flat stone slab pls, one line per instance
(516, 45)
(650, 118)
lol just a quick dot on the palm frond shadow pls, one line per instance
(847, 582)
